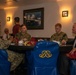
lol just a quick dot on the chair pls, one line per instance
(43, 59)
(73, 67)
(4, 63)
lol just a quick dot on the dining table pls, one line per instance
(63, 49)
(20, 49)
(23, 49)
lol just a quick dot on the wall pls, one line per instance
(52, 15)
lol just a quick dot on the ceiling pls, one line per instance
(11, 3)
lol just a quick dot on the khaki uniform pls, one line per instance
(59, 37)
(13, 57)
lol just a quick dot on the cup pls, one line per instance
(20, 43)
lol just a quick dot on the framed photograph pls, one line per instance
(64, 13)
(34, 18)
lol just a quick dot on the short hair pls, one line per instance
(23, 25)
(17, 19)
(58, 24)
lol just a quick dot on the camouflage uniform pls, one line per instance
(13, 57)
(59, 37)
(21, 35)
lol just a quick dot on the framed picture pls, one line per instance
(34, 18)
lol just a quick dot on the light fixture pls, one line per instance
(12, 1)
(8, 18)
(65, 13)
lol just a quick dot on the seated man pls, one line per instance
(59, 35)
(62, 38)
(72, 52)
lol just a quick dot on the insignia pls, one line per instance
(45, 54)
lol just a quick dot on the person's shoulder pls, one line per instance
(63, 33)
(54, 34)
(28, 33)
(14, 26)
(18, 24)
(18, 33)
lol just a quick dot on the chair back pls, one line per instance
(43, 59)
(73, 67)
(4, 63)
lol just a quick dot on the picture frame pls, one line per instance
(65, 13)
(34, 18)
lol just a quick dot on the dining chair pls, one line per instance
(42, 60)
(4, 63)
(73, 67)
